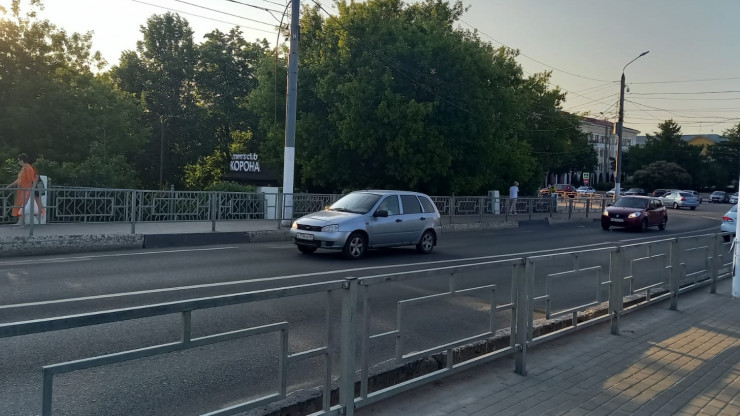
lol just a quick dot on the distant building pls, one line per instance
(702, 140)
(602, 135)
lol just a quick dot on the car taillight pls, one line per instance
(727, 219)
(683, 198)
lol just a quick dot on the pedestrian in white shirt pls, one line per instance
(513, 195)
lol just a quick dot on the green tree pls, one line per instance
(161, 73)
(53, 107)
(667, 144)
(393, 95)
(658, 174)
(724, 157)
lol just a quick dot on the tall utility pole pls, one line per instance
(290, 115)
(618, 179)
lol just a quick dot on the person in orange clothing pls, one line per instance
(27, 178)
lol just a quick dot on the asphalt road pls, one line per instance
(178, 383)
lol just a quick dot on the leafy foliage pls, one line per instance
(51, 105)
(659, 174)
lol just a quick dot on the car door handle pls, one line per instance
(422, 219)
(399, 220)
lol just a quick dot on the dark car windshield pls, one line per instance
(631, 203)
(357, 202)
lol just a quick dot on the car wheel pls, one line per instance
(727, 238)
(662, 224)
(306, 249)
(355, 247)
(675, 205)
(426, 243)
(693, 208)
(604, 227)
(644, 225)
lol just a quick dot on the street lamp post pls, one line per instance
(161, 148)
(618, 179)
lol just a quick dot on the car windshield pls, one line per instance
(718, 193)
(631, 203)
(356, 202)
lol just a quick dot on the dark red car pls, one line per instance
(638, 212)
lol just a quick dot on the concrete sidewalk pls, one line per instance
(684, 362)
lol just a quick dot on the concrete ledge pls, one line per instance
(62, 244)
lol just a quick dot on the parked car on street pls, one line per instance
(729, 223)
(585, 190)
(659, 192)
(680, 199)
(636, 191)
(612, 191)
(719, 196)
(639, 212)
(733, 198)
(563, 189)
(696, 194)
(369, 219)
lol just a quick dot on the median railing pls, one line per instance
(364, 339)
(103, 205)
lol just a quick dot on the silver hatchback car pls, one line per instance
(680, 199)
(370, 219)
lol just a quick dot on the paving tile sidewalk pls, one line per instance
(684, 362)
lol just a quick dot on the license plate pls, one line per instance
(302, 236)
(617, 220)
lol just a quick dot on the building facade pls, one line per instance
(602, 134)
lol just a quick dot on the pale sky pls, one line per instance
(692, 73)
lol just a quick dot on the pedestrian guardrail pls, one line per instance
(104, 205)
(470, 314)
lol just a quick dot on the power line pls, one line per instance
(226, 13)
(686, 93)
(201, 16)
(685, 80)
(253, 6)
(535, 60)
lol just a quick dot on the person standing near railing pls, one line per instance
(26, 182)
(513, 195)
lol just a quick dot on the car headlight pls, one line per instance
(635, 215)
(295, 225)
(330, 228)
(605, 213)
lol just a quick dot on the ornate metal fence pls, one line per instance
(91, 205)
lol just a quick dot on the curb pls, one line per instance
(66, 244)
(58, 244)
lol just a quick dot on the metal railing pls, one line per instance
(479, 312)
(104, 205)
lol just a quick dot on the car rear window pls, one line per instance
(411, 205)
(685, 194)
(427, 204)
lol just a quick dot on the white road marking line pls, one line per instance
(100, 256)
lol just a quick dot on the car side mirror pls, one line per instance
(383, 213)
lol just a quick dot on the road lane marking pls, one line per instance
(346, 272)
(100, 256)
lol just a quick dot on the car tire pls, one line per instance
(693, 208)
(727, 238)
(605, 227)
(426, 243)
(662, 224)
(306, 249)
(675, 205)
(644, 225)
(355, 247)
